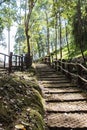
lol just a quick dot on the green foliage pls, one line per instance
(37, 24)
(19, 39)
(7, 13)
(7, 17)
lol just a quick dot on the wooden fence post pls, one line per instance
(59, 65)
(63, 65)
(19, 60)
(55, 66)
(16, 61)
(22, 62)
(10, 62)
(69, 70)
(4, 60)
(52, 58)
(49, 60)
(79, 71)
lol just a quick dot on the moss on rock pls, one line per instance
(21, 102)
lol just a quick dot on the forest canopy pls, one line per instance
(45, 27)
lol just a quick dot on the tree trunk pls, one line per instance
(48, 43)
(39, 52)
(81, 48)
(60, 37)
(28, 43)
(30, 4)
(8, 40)
(28, 57)
(27, 18)
(67, 40)
(56, 36)
(80, 29)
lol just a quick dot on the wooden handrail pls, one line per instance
(4, 54)
(18, 61)
(71, 70)
(79, 72)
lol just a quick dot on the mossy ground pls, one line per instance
(21, 101)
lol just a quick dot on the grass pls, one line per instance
(74, 52)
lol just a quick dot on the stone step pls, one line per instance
(65, 103)
(65, 97)
(52, 79)
(61, 107)
(55, 82)
(61, 90)
(63, 128)
(46, 69)
(58, 85)
(48, 75)
(65, 100)
(51, 76)
(67, 121)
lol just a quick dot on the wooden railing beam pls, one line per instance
(73, 71)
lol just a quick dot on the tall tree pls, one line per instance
(31, 4)
(78, 29)
(7, 15)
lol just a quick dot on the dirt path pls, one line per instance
(65, 103)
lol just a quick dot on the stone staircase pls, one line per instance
(65, 103)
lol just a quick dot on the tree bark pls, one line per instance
(27, 19)
(48, 43)
(80, 29)
(31, 4)
(67, 40)
(60, 36)
(56, 36)
(8, 40)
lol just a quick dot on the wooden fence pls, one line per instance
(75, 72)
(12, 61)
(3, 63)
